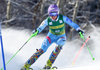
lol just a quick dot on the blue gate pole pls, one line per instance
(3, 57)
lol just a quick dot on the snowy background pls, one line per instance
(13, 39)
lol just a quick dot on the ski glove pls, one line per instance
(81, 33)
(35, 32)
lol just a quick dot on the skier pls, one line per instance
(56, 34)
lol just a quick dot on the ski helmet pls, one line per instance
(53, 10)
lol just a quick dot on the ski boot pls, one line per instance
(48, 65)
(26, 68)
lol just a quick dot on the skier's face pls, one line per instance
(54, 17)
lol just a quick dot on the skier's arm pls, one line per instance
(72, 24)
(41, 27)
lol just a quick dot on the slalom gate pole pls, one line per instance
(19, 50)
(80, 50)
(3, 57)
(85, 43)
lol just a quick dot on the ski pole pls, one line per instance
(81, 36)
(3, 57)
(80, 50)
(87, 46)
(19, 50)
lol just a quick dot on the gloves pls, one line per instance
(35, 33)
(81, 33)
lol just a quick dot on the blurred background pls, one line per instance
(30, 13)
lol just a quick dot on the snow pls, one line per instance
(96, 67)
(13, 39)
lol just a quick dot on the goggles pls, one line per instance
(53, 14)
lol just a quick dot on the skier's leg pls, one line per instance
(55, 52)
(53, 57)
(32, 59)
(61, 41)
(46, 43)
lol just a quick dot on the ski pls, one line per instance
(53, 68)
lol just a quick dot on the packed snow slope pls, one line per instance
(13, 39)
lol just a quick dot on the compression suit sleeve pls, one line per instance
(42, 25)
(71, 23)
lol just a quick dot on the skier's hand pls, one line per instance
(81, 33)
(34, 33)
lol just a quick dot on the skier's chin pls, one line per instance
(54, 17)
